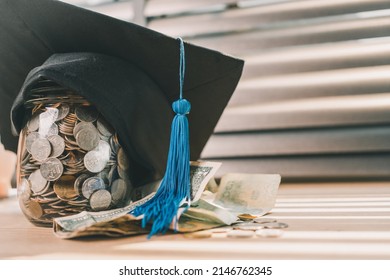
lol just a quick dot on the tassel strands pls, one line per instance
(174, 190)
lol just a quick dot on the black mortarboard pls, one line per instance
(130, 73)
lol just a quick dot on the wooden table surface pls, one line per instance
(326, 221)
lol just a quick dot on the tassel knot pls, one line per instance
(181, 106)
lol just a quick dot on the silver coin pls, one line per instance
(104, 128)
(86, 114)
(269, 233)
(91, 185)
(264, 220)
(118, 191)
(40, 149)
(82, 125)
(33, 123)
(30, 139)
(37, 181)
(240, 234)
(252, 227)
(275, 225)
(79, 182)
(87, 139)
(104, 148)
(52, 169)
(94, 161)
(100, 200)
(57, 145)
(63, 111)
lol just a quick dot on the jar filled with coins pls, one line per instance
(69, 158)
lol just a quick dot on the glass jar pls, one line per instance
(69, 158)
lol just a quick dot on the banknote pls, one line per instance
(248, 193)
(123, 226)
(86, 219)
(201, 172)
(237, 194)
(209, 212)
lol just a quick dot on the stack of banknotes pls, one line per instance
(237, 197)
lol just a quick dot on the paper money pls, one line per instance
(86, 219)
(201, 172)
(122, 226)
(208, 212)
(253, 194)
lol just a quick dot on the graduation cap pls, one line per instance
(128, 72)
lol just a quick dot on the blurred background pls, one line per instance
(314, 100)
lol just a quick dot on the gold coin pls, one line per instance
(246, 217)
(34, 209)
(64, 187)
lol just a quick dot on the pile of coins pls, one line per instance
(245, 228)
(70, 159)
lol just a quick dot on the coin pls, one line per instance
(104, 128)
(118, 191)
(91, 185)
(37, 181)
(52, 169)
(63, 111)
(87, 139)
(264, 220)
(104, 148)
(275, 225)
(122, 173)
(57, 145)
(269, 233)
(86, 113)
(123, 161)
(240, 234)
(112, 175)
(94, 162)
(33, 123)
(30, 139)
(78, 183)
(64, 187)
(40, 149)
(81, 126)
(34, 209)
(252, 227)
(100, 200)
(246, 217)
(198, 234)
(24, 190)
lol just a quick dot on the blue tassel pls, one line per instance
(174, 190)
